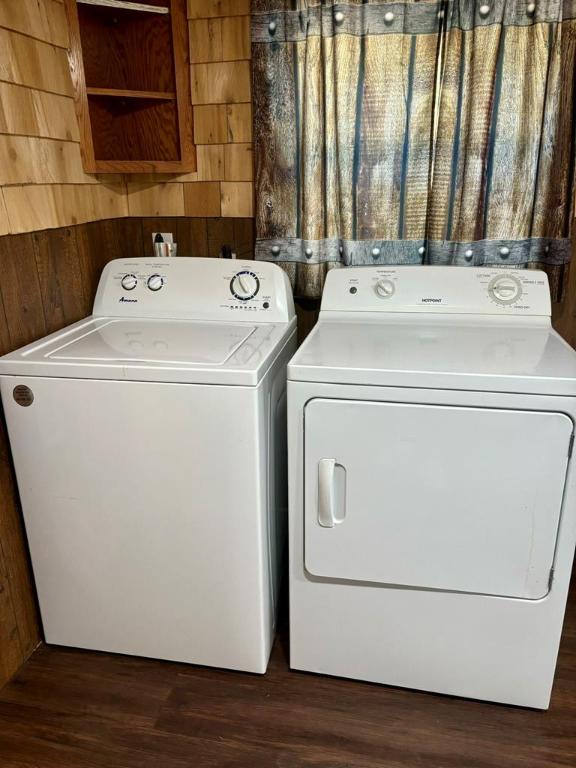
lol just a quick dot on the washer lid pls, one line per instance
(145, 349)
(155, 341)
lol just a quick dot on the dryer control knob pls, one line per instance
(129, 282)
(505, 289)
(244, 285)
(385, 288)
(155, 282)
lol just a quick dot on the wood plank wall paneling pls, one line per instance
(18, 621)
(49, 280)
(61, 277)
(219, 35)
(4, 224)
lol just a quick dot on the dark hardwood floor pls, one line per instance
(69, 708)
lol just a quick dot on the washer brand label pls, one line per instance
(23, 395)
(128, 301)
(431, 301)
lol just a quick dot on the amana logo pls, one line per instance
(433, 301)
(129, 301)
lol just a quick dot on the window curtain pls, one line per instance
(413, 133)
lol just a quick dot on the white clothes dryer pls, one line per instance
(149, 446)
(432, 492)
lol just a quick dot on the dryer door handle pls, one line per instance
(326, 493)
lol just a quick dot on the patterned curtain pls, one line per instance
(413, 132)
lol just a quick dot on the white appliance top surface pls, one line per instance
(189, 320)
(182, 342)
(184, 351)
(365, 338)
(439, 355)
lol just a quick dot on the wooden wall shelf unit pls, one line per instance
(131, 75)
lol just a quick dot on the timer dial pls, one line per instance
(129, 282)
(385, 288)
(505, 289)
(155, 282)
(244, 285)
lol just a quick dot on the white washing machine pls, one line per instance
(149, 445)
(432, 494)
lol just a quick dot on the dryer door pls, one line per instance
(448, 498)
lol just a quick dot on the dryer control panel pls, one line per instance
(195, 289)
(449, 290)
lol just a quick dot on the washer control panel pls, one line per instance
(457, 290)
(195, 288)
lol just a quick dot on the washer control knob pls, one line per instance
(385, 288)
(155, 282)
(129, 282)
(505, 289)
(244, 285)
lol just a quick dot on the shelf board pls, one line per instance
(144, 166)
(122, 94)
(128, 6)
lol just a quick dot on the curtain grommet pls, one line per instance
(375, 253)
(272, 27)
(468, 253)
(504, 252)
(338, 17)
(275, 250)
(484, 10)
(531, 9)
(389, 17)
